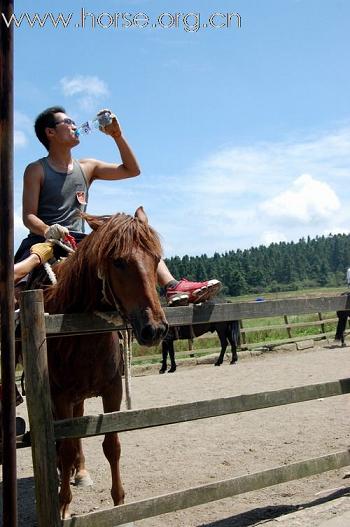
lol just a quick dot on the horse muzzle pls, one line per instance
(147, 332)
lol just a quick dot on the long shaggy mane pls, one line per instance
(113, 237)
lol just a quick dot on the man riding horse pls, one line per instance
(57, 186)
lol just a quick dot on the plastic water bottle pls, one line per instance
(102, 119)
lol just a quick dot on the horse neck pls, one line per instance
(75, 291)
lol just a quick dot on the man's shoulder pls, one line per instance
(87, 161)
(35, 168)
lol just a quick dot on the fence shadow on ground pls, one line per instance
(257, 516)
(26, 503)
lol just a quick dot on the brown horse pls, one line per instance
(116, 263)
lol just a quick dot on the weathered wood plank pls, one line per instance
(193, 314)
(39, 408)
(136, 419)
(215, 491)
(77, 324)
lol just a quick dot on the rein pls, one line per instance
(48, 268)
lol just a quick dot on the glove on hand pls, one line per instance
(56, 232)
(43, 250)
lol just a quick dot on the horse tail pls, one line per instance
(235, 333)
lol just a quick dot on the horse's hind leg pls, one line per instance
(111, 445)
(82, 477)
(164, 357)
(172, 368)
(234, 358)
(340, 331)
(222, 355)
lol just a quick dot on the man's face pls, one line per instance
(64, 131)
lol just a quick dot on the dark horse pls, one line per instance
(116, 263)
(340, 331)
(228, 332)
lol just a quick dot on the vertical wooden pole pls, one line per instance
(286, 321)
(323, 327)
(243, 335)
(39, 408)
(9, 488)
(190, 347)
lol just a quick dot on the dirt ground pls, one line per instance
(161, 460)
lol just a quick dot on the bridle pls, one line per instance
(112, 299)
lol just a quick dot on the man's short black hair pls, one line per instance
(46, 120)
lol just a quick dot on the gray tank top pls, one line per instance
(62, 196)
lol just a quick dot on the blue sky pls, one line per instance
(242, 134)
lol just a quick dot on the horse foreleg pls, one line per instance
(172, 357)
(223, 341)
(222, 355)
(82, 477)
(111, 445)
(67, 453)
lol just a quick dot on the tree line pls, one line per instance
(283, 266)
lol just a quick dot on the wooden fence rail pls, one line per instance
(212, 492)
(44, 432)
(91, 425)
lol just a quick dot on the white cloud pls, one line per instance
(20, 139)
(20, 231)
(308, 200)
(269, 237)
(23, 126)
(89, 88)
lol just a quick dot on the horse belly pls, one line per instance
(83, 366)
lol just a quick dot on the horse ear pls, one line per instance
(94, 221)
(141, 215)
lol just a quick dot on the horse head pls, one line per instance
(128, 253)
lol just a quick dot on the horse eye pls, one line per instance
(119, 263)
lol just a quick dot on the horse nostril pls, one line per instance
(148, 333)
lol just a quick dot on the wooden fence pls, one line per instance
(36, 327)
(246, 344)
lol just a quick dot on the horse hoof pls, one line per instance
(20, 426)
(217, 363)
(83, 480)
(64, 512)
(172, 369)
(233, 362)
(162, 370)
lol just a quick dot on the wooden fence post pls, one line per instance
(243, 335)
(287, 328)
(323, 327)
(39, 408)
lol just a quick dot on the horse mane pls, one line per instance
(113, 237)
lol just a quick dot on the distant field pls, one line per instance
(317, 291)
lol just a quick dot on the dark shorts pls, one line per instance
(23, 250)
